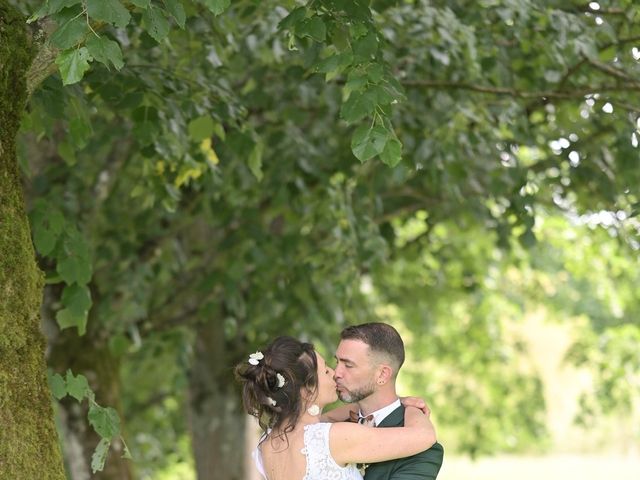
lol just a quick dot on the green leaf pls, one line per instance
(218, 129)
(70, 33)
(80, 131)
(394, 87)
(74, 269)
(365, 48)
(74, 265)
(49, 7)
(67, 319)
(105, 51)
(100, 455)
(44, 241)
(129, 100)
(146, 124)
(201, 128)
(176, 9)
(358, 30)
(126, 453)
(358, 106)
(367, 142)
(328, 64)
(354, 82)
(381, 95)
(77, 387)
(293, 18)
(47, 224)
(141, 3)
(340, 38)
(73, 64)
(156, 24)
(57, 5)
(58, 386)
(76, 300)
(68, 154)
(608, 54)
(110, 11)
(105, 421)
(312, 27)
(240, 143)
(43, 11)
(392, 153)
(375, 71)
(255, 161)
(217, 6)
(585, 45)
(333, 63)
(528, 239)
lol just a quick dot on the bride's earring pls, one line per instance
(313, 410)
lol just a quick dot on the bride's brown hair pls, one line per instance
(276, 407)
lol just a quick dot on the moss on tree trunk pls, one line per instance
(29, 445)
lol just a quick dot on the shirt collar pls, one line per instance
(381, 414)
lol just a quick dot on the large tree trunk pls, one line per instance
(29, 445)
(92, 358)
(216, 419)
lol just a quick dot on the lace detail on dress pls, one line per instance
(320, 463)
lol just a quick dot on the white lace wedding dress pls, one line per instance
(320, 463)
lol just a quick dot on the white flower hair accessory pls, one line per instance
(281, 381)
(271, 401)
(254, 358)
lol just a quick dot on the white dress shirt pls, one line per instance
(384, 412)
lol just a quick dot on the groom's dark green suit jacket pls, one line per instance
(423, 466)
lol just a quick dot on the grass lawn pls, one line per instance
(553, 467)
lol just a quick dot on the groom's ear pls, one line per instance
(385, 374)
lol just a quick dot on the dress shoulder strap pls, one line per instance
(257, 457)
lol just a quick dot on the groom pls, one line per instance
(369, 357)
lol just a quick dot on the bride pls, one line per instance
(286, 387)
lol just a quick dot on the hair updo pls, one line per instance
(296, 362)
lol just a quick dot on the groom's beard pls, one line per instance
(352, 396)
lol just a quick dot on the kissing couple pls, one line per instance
(286, 386)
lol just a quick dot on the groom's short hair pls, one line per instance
(381, 338)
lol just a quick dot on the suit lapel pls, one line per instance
(394, 419)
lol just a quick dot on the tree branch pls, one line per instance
(586, 8)
(573, 69)
(43, 64)
(577, 92)
(613, 71)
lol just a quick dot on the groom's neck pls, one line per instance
(377, 400)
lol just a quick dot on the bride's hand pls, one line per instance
(415, 417)
(416, 402)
